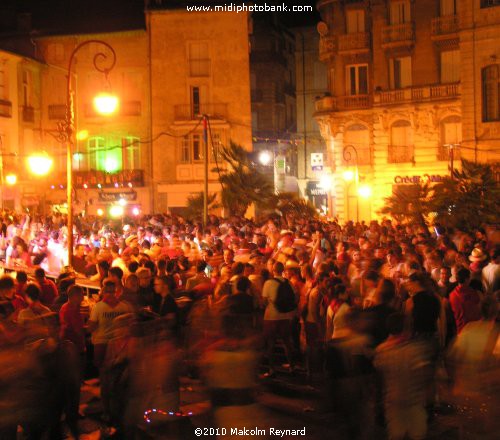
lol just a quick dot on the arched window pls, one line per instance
(401, 147)
(450, 135)
(358, 136)
(491, 94)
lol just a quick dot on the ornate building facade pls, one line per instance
(400, 108)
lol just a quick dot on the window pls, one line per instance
(197, 101)
(199, 61)
(358, 136)
(185, 150)
(400, 72)
(489, 3)
(447, 7)
(450, 66)
(331, 79)
(197, 148)
(400, 12)
(355, 21)
(26, 88)
(96, 153)
(401, 147)
(491, 95)
(3, 82)
(131, 153)
(216, 146)
(357, 79)
(450, 133)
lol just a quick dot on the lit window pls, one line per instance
(131, 153)
(357, 79)
(491, 93)
(400, 72)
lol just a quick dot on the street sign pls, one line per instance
(317, 161)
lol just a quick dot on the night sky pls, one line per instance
(82, 16)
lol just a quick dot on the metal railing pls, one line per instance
(400, 153)
(447, 24)
(396, 33)
(425, 93)
(354, 42)
(187, 112)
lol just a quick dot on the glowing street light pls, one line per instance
(105, 103)
(122, 202)
(116, 211)
(100, 212)
(265, 157)
(348, 175)
(135, 211)
(40, 164)
(11, 179)
(365, 191)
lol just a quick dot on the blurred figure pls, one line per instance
(48, 288)
(405, 367)
(464, 301)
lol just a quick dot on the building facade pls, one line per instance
(311, 76)
(199, 65)
(273, 88)
(111, 153)
(399, 107)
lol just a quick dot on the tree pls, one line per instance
(410, 206)
(242, 183)
(195, 205)
(291, 205)
(468, 200)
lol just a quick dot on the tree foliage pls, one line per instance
(291, 205)
(242, 183)
(467, 201)
(194, 208)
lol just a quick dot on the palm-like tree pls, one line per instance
(242, 183)
(194, 208)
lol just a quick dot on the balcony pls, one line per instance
(396, 36)
(445, 29)
(187, 112)
(28, 114)
(417, 94)
(327, 48)
(5, 109)
(350, 44)
(443, 153)
(109, 180)
(57, 111)
(329, 104)
(400, 154)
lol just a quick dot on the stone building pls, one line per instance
(199, 65)
(400, 91)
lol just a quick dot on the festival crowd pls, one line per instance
(383, 313)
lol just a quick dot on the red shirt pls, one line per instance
(49, 292)
(72, 326)
(464, 303)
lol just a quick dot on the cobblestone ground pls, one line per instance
(289, 404)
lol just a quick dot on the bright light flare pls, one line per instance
(82, 135)
(40, 164)
(364, 191)
(11, 179)
(116, 211)
(110, 164)
(325, 182)
(348, 175)
(105, 103)
(122, 202)
(100, 212)
(265, 157)
(135, 211)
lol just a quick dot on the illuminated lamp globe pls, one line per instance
(40, 164)
(105, 103)
(364, 191)
(265, 157)
(100, 212)
(325, 182)
(110, 165)
(116, 211)
(135, 211)
(348, 175)
(122, 202)
(11, 179)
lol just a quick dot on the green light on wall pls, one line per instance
(111, 162)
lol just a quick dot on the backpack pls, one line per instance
(285, 297)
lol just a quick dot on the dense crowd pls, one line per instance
(378, 311)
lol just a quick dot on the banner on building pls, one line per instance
(129, 196)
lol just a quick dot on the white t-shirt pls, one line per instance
(104, 314)
(269, 292)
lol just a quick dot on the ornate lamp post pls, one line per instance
(103, 63)
(350, 155)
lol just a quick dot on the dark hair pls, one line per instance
(243, 284)
(6, 282)
(387, 290)
(116, 271)
(278, 267)
(133, 266)
(162, 264)
(32, 291)
(104, 265)
(371, 275)
(463, 275)
(201, 266)
(74, 290)
(21, 276)
(39, 273)
(238, 268)
(150, 265)
(107, 285)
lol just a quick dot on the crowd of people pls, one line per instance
(377, 310)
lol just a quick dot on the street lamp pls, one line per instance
(40, 164)
(104, 104)
(350, 155)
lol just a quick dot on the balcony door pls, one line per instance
(447, 7)
(355, 21)
(357, 79)
(198, 101)
(400, 12)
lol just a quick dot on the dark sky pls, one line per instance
(77, 16)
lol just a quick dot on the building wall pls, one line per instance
(398, 127)
(117, 143)
(479, 47)
(208, 52)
